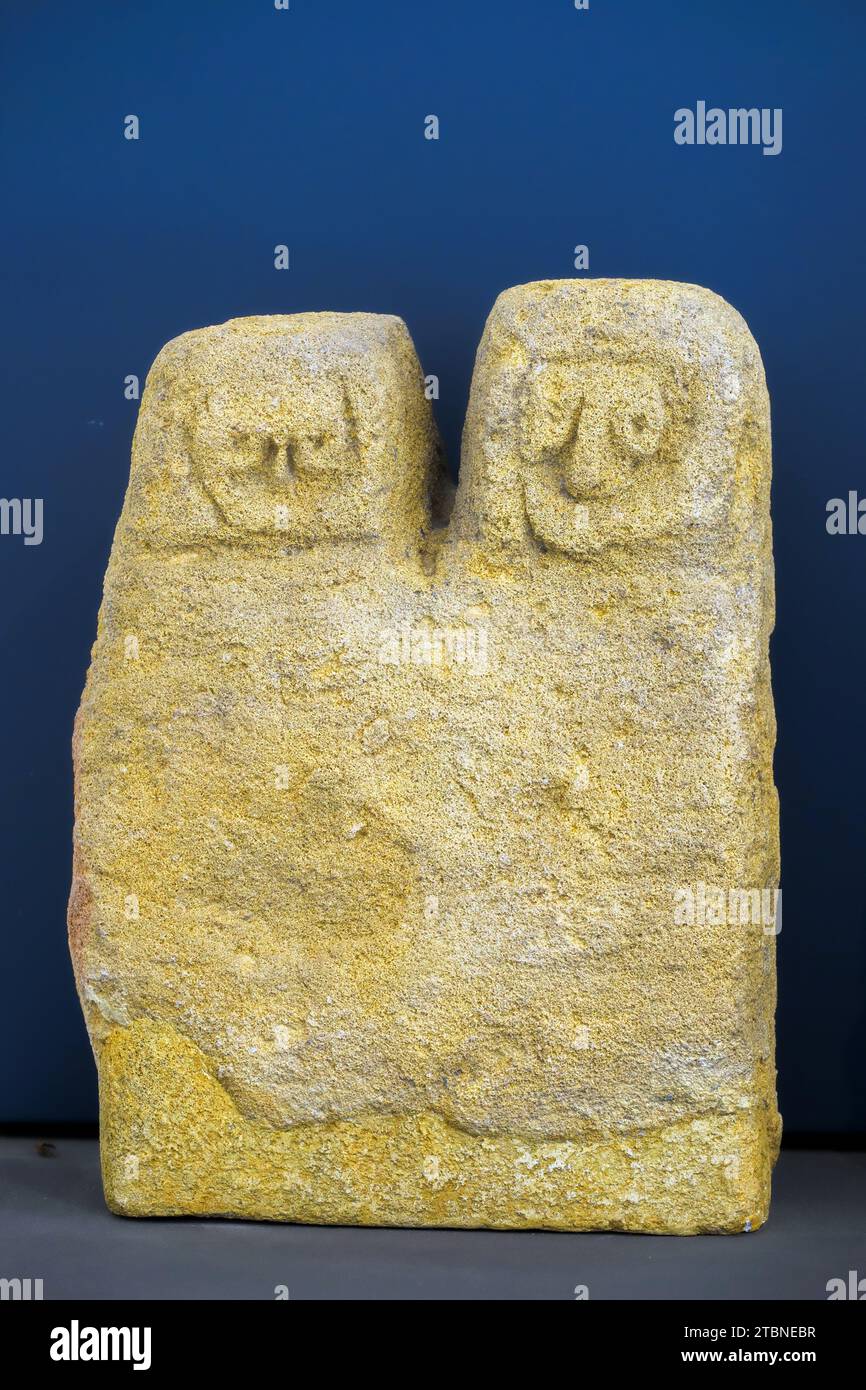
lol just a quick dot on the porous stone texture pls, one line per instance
(407, 851)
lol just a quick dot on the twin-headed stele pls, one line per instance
(283, 1027)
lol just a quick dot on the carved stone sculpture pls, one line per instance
(425, 871)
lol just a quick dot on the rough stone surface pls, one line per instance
(408, 854)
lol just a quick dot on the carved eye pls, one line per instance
(641, 428)
(247, 450)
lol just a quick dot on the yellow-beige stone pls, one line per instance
(408, 849)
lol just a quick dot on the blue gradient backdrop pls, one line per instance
(306, 127)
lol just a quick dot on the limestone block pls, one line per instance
(425, 870)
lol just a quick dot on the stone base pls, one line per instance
(175, 1144)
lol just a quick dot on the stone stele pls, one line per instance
(426, 847)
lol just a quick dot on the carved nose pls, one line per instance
(587, 453)
(280, 457)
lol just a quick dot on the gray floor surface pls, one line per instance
(54, 1226)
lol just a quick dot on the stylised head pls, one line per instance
(286, 430)
(604, 413)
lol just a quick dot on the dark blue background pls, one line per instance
(306, 127)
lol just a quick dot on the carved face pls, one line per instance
(598, 424)
(275, 452)
(597, 438)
